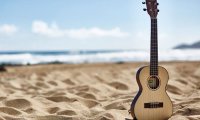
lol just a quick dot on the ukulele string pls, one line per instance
(155, 56)
(154, 62)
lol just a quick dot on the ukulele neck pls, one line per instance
(154, 48)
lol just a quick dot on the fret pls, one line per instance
(154, 51)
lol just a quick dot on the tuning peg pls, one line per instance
(158, 10)
(143, 2)
(145, 9)
(157, 3)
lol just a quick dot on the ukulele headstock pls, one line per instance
(151, 8)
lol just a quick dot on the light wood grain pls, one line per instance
(148, 95)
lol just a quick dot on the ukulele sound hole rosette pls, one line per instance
(153, 82)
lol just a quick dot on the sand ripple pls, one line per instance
(90, 92)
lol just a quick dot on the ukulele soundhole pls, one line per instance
(153, 82)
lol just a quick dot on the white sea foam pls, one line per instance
(119, 56)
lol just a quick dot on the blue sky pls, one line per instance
(94, 24)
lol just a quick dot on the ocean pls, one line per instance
(94, 56)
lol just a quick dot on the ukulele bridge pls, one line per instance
(153, 105)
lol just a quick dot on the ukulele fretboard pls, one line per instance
(154, 48)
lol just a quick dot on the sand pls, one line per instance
(90, 91)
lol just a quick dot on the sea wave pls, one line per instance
(95, 57)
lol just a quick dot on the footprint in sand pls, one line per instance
(41, 84)
(89, 103)
(68, 82)
(189, 111)
(53, 110)
(115, 105)
(67, 112)
(119, 86)
(182, 81)
(52, 117)
(53, 83)
(82, 88)
(100, 79)
(86, 95)
(61, 99)
(2, 98)
(174, 89)
(10, 111)
(29, 110)
(18, 103)
(105, 116)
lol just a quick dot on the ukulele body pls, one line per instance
(152, 101)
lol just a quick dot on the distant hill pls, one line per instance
(195, 45)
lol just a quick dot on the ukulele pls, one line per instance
(152, 101)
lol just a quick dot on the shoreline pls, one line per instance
(93, 63)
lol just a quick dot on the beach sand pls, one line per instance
(90, 91)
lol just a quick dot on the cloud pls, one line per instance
(8, 29)
(52, 30)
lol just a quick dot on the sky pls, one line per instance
(95, 24)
